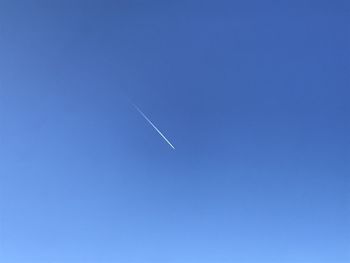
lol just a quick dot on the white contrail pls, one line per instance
(149, 121)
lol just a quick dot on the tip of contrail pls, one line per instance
(154, 127)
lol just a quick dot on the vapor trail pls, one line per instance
(149, 121)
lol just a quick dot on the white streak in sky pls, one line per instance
(149, 121)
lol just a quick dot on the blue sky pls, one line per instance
(254, 95)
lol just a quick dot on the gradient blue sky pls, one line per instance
(253, 94)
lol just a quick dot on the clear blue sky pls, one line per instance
(254, 95)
